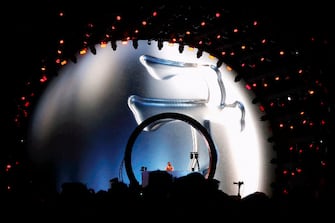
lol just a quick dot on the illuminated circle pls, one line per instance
(175, 116)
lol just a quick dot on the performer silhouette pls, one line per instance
(169, 166)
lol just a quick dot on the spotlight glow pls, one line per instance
(84, 118)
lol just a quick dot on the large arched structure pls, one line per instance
(245, 42)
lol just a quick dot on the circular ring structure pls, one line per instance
(169, 116)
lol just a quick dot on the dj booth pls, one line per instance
(161, 176)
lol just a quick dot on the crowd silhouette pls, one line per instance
(191, 197)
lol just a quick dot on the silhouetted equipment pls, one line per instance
(239, 184)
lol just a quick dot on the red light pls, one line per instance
(43, 79)
(247, 86)
(261, 108)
